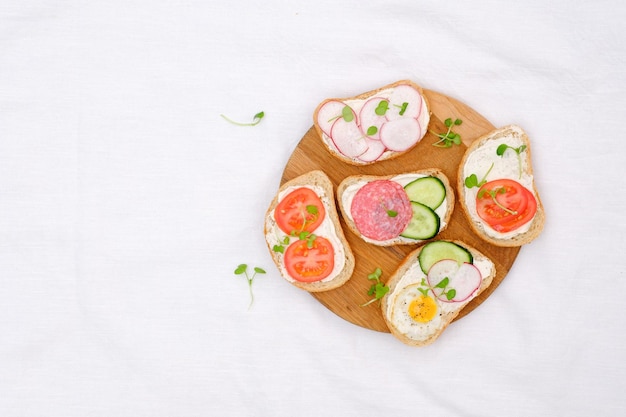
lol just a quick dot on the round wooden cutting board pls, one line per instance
(311, 154)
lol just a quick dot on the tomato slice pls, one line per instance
(513, 207)
(310, 264)
(299, 211)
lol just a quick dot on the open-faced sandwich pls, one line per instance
(497, 189)
(304, 236)
(373, 126)
(431, 287)
(401, 209)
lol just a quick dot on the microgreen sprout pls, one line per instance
(301, 234)
(378, 289)
(255, 120)
(309, 237)
(347, 114)
(280, 246)
(402, 107)
(472, 180)
(443, 284)
(390, 213)
(242, 269)
(382, 108)
(310, 209)
(449, 138)
(371, 131)
(502, 149)
(449, 293)
(493, 193)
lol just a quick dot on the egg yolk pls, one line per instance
(423, 309)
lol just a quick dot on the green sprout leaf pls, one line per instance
(312, 209)
(382, 108)
(448, 138)
(449, 293)
(347, 114)
(472, 180)
(443, 283)
(377, 289)
(280, 247)
(493, 193)
(502, 149)
(255, 120)
(371, 131)
(242, 269)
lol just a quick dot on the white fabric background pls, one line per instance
(126, 203)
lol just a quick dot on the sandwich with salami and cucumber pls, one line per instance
(401, 209)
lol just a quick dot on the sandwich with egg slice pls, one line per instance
(431, 287)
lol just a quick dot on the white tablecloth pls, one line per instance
(126, 203)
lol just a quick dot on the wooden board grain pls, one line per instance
(310, 154)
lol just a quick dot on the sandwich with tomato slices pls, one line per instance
(497, 189)
(304, 236)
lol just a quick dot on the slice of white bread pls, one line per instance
(367, 136)
(477, 160)
(409, 275)
(350, 185)
(330, 229)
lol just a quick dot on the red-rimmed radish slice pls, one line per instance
(400, 134)
(464, 278)
(374, 151)
(328, 114)
(370, 120)
(404, 94)
(348, 138)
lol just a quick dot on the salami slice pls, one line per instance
(381, 210)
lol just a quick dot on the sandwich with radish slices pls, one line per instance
(431, 287)
(373, 126)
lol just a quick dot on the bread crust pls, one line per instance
(447, 318)
(320, 179)
(478, 226)
(388, 154)
(353, 179)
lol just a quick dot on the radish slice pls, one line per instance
(328, 114)
(400, 134)
(404, 94)
(465, 279)
(369, 119)
(374, 151)
(348, 138)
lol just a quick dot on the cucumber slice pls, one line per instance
(433, 252)
(429, 191)
(423, 225)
